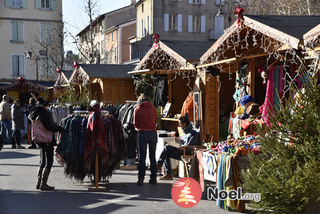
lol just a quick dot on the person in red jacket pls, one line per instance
(145, 121)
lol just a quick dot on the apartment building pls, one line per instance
(111, 32)
(31, 42)
(183, 20)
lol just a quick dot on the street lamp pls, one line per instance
(229, 9)
(28, 54)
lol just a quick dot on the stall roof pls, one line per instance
(286, 29)
(312, 34)
(67, 73)
(183, 52)
(107, 70)
(189, 50)
(295, 26)
(64, 78)
(42, 83)
(87, 71)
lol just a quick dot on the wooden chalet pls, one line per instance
(176, 60)
(254, 41)
(106, 83)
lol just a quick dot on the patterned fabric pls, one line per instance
(96, 140)
(78, 135)
(40, 134)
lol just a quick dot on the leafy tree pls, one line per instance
(287, 173)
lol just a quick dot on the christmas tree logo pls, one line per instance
(186, 192)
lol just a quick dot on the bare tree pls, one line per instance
(86, 45)
(47, 50)
(283, 7)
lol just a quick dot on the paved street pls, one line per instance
(19, 196)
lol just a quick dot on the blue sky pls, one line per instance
(76, 19)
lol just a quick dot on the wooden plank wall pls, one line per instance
(118, 90)
(211, 119)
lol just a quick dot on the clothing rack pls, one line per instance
(86, 112)
(96, 188)
(131, 101)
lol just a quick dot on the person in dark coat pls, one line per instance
(32, 103)
(17, 124)
(40, 110)
(191, 138)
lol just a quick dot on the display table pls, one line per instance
(162, 141)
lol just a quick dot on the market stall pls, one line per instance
(261, 53)
(172, 63)
(104, 82)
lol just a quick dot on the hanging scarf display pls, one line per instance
(268, 102)
(76, 149)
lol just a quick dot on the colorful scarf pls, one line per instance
(95, 137)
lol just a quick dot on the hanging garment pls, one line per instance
(161, 93)
(73, 145)
(187, 107)
(269, 98)
(276, 99)
(95, 136)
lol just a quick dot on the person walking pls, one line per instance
(17, 124)
(40, 112)
(145, 121)
(5, 118)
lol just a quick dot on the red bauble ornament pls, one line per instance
(58, 70)
(75, 64)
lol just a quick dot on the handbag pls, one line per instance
(39, 133)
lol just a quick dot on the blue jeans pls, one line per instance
(167, 153)
(147, 138)
(6, 130)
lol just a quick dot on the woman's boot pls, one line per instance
(39, 177)
(45, 176)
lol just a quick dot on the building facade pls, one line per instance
(183, 20)
(31, 45)
(111, 32)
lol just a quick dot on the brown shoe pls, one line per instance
(159, 167)
(166, 177)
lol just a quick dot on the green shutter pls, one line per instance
(14, 31)
(7, 3)
(25, 3)
(21, 65)
(53, 4)
(15, 61)
(20, 32)
(37, 4)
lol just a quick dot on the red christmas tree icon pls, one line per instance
(186, 192)
(185, 195)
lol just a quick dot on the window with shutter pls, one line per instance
(203, 24)
(16, 3)
(172, 22)
(179, 22)
(16, 31)
(17, 65)
(166, 22)
(45, 4)
(194, 1)
(195, 23)
(46, 30)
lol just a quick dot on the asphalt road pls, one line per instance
(18, 168)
